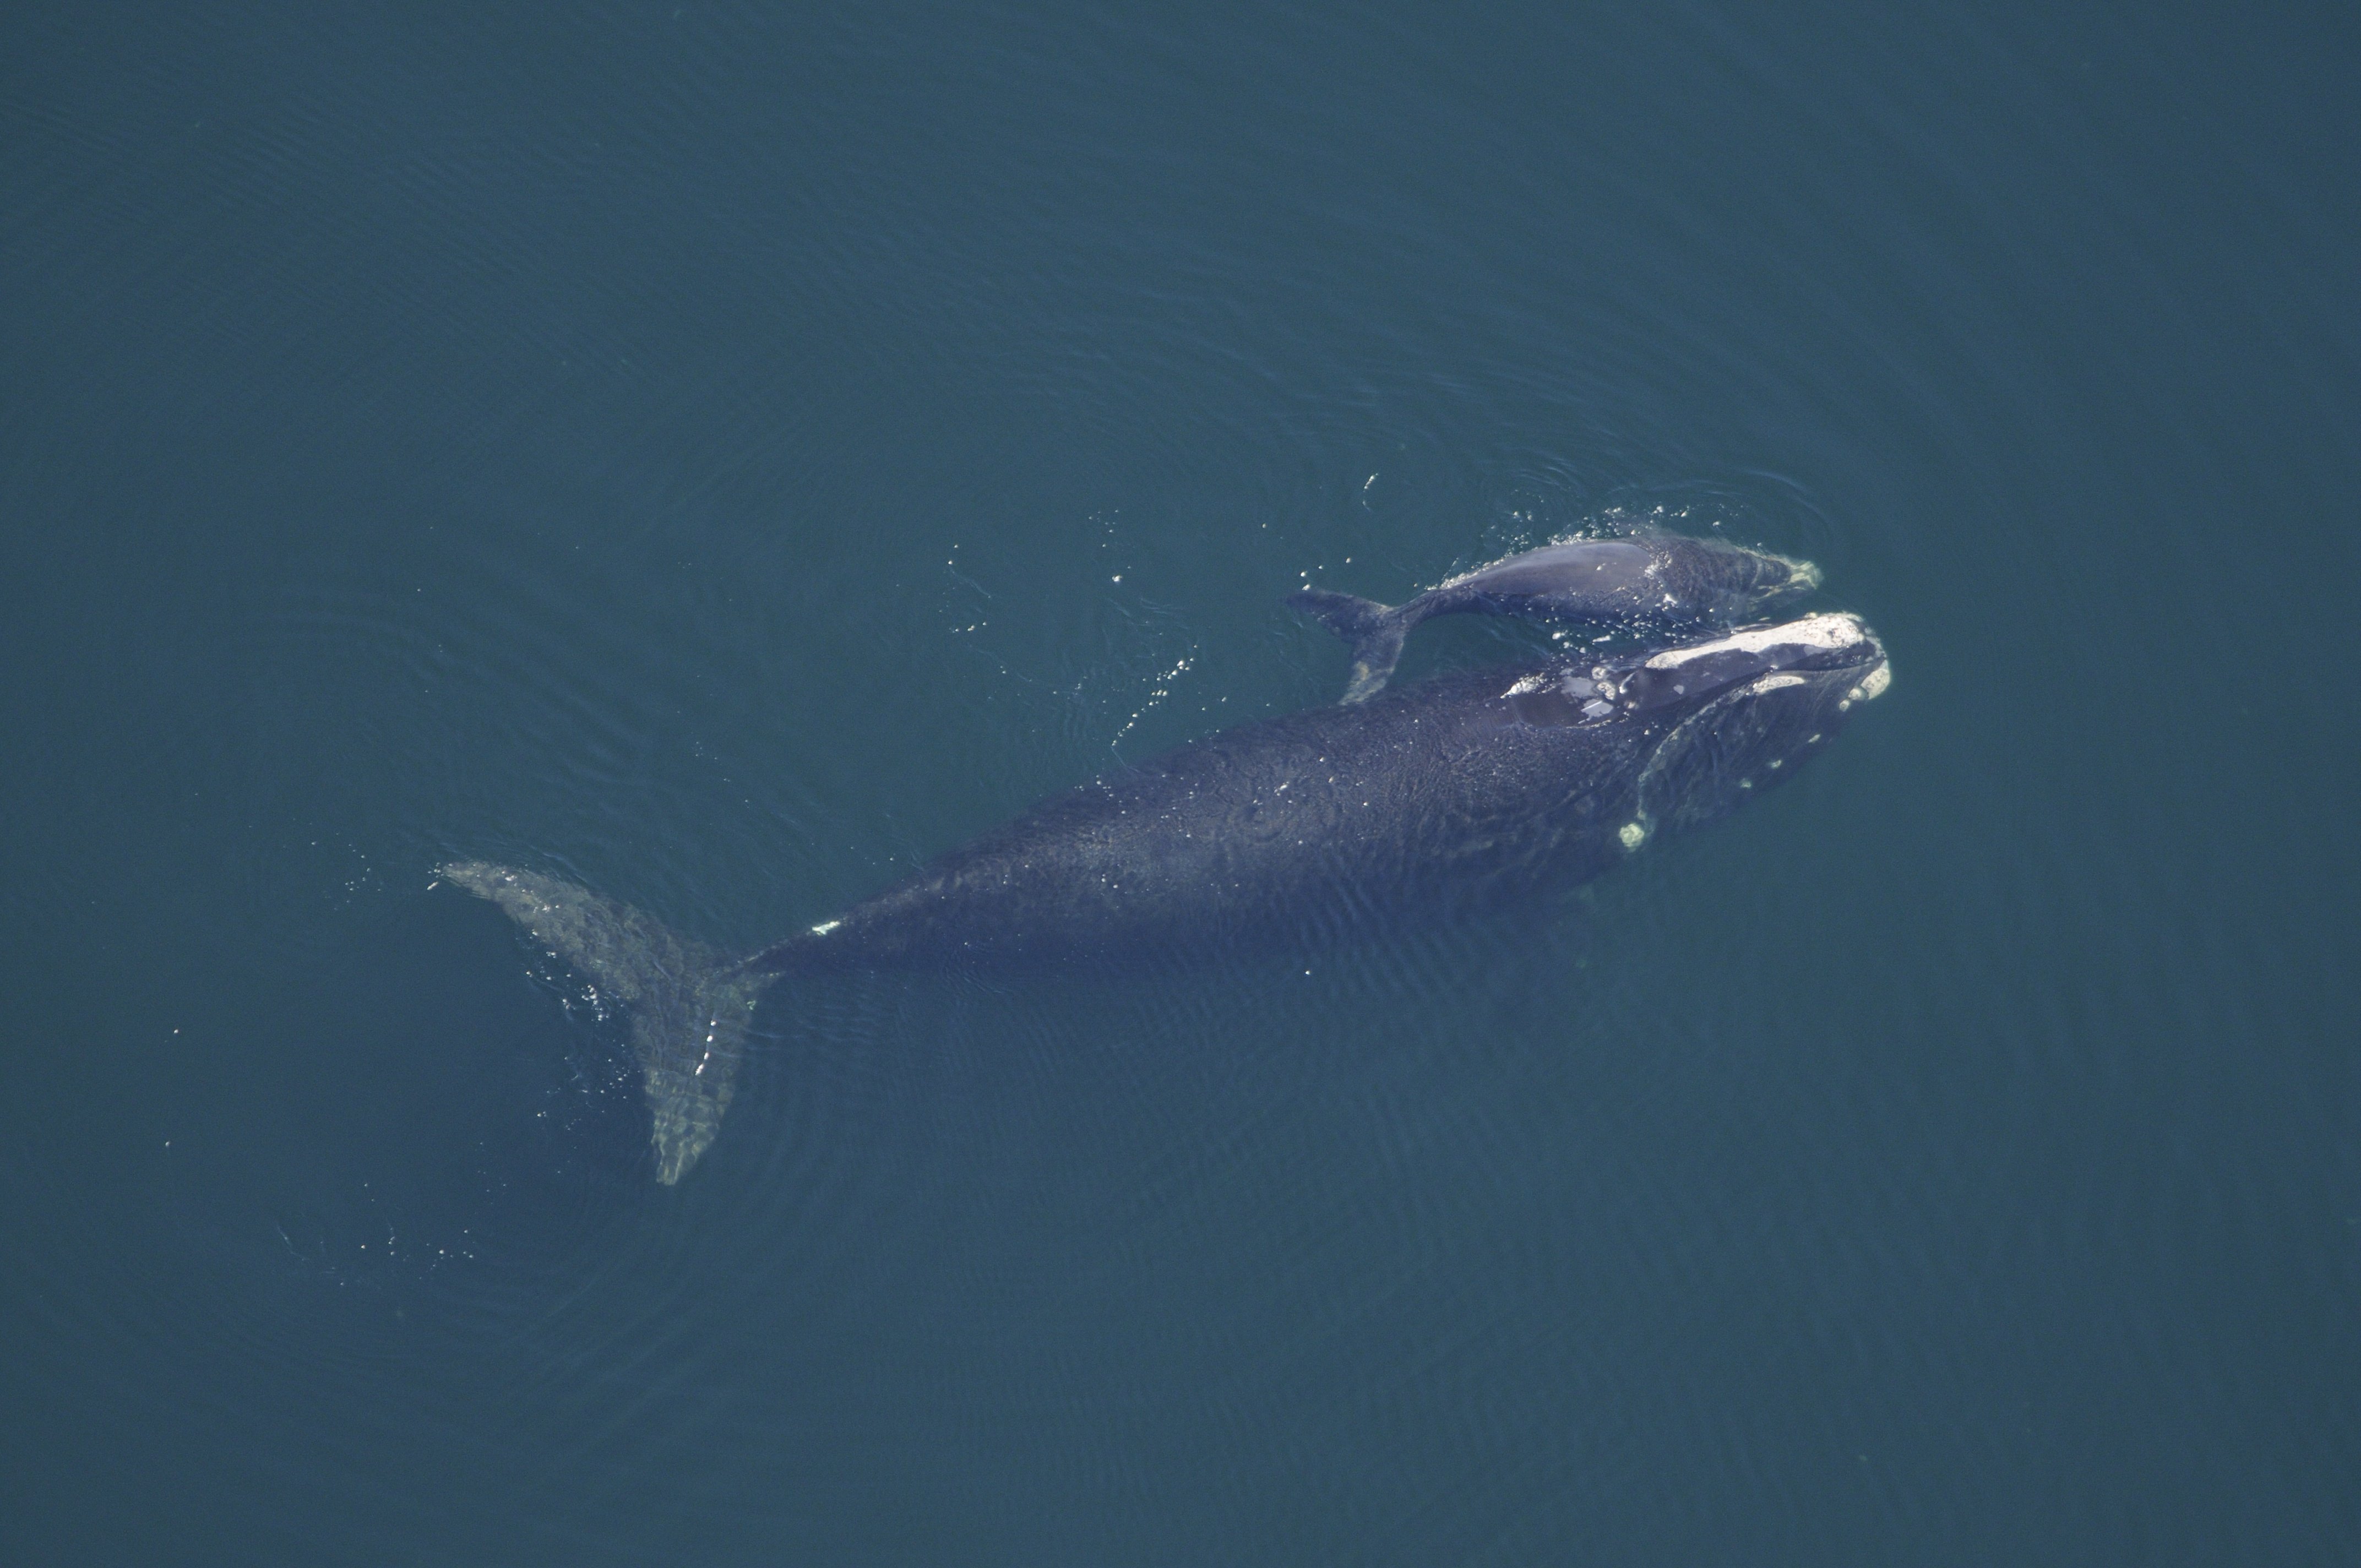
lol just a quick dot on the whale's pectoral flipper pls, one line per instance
(689, 1006)
(1375, 631)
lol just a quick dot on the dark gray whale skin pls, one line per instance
(1289, 834)
(1652, 580)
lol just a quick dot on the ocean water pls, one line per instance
(726, 455)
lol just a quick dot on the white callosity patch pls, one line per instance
(1632, 834)
(1591, 694)
(1826, 633)
(1872, 685)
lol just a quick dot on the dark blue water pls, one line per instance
(724, 456)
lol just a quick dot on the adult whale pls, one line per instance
(1288, 834)
(1649, 580)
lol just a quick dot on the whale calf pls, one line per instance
(1290, 834)
(1649, 580)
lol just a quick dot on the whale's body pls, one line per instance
(1647, 581)
(1289, 834)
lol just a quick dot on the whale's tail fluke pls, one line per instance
(689, 1006)
(1375, 631)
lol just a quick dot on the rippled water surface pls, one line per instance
(726, 454)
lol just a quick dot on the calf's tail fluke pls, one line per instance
(1375, 631)
(687, 1006)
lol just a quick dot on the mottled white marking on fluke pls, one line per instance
(665, 982)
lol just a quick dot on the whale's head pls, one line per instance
(1720, 581)
(1737, 715)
